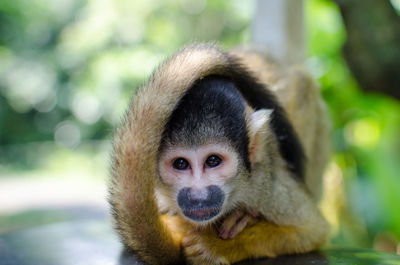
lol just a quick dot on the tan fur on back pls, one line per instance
(300, 97)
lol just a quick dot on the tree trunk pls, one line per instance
(372, 49)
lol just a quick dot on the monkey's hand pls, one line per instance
(198, 248)
(203, 247)
(235, 222)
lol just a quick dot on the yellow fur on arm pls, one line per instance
(264, 239)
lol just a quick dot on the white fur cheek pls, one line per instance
(168, 176)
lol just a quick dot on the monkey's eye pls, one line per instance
(181, 164)
(213, 161)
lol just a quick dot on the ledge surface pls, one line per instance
(92, 241)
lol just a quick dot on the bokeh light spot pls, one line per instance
(67, 134)
(364, 133)
(86, 108)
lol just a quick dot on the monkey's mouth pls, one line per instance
(201, 214)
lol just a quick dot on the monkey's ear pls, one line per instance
(258, 132)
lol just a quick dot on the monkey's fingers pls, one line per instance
(246, 221)
(236, 229)
(188, 240)
(191, 246)
(194, 250)
(253, 212)
(199, 249)
(228, 223)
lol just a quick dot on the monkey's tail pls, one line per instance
(133, 204)
(131, 190)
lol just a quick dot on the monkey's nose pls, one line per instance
(193, 198)
(201, 206)
(211, 196)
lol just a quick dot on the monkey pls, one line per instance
(218, 159)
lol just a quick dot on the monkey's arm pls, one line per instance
(263, 239)
(297, 232)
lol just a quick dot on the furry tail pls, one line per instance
(133, 204)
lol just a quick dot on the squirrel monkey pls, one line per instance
(219, 159)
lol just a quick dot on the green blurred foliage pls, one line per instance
(69, 67)
(365, 128)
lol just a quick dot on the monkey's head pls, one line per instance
(198, 178)
(204, 153)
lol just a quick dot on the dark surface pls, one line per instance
(92, 242)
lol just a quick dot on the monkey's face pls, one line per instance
(198, 178)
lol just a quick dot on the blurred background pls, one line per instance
(69, 67)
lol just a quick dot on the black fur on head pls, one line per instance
(212, 108)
